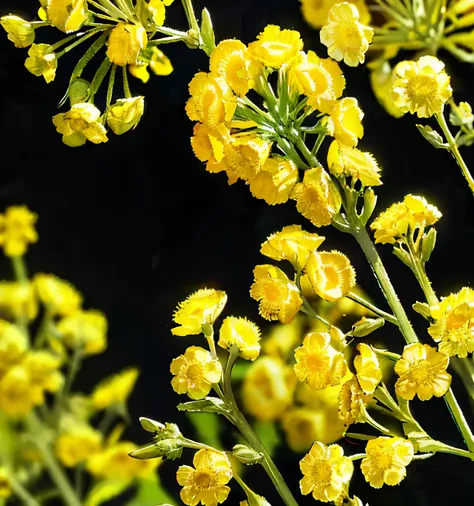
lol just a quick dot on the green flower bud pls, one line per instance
(428, 244)
(366, 326)
(125, 114)
(246, 455)
(20, 32)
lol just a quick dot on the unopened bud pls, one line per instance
(246, 455)
(338, 338)
(19, 31)
(166, 448)
(428, 244)
(207, 32)
(125, 114)
(422, 308)
(370, 200)
(151, 425)
(366, 326)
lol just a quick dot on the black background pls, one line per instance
(137, 224)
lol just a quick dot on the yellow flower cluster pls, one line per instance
(17, 230)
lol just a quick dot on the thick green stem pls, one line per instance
(191, 17)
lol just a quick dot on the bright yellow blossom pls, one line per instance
(18, 300)
(453, 328)
(208, 145)
(195, 372)
(315, 12)
(278, 297)
(19, 31)
(115, 389)
(318, 363)
(393, 223)
(67, 15)
(206, 483)
(242, 333)
(382, 79)
(42, 61)
(326, 472)
(158, 10)
(422, 372)
(125, 43)
(5, 489)
(293, 244)
(43, 368)
(346, 161)
(350, 397)
(201, 307)
(18, 395)
(212, 101)
(369, 373)
(345, 36)
(77, 444)
(422, 86)
(345, 121)
(275, 47)
(80, 124)
(17, 230)
(331, 274)
(59, 296)
(84, 329)
(158, 62)
(275, 181)
(386, 460)
(13, 345)
(267, 389)
(245, 156)
(317, 199)
(125, 114)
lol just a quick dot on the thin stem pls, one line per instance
(459, 418)
(99, 77)
(165, 40)
(419, 271)
(297, 140)
(20, 491)
(21, 275)
(454, 150)
(191, 17)
(126, 86)
(82, 39)
(368, 305)
(110, 87)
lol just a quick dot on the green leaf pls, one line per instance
(79, 91)
(104, 491)
(207, 33)
(268, 434)
(432, 136)
(150, 493)
(206, 405)
(207, 428)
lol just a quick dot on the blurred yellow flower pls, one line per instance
(125, 114)
(42, 61)
(422, 372)
(114, 390)
(195, 372)
(59, 296)
(206, 483)
(422, 86)
(326, 472)
(345, 36)
(212, 100)
(158, 10)
(125, 42)
(331, 274)
(315, 12)
(201, 307)
(345, 121)
(18, 395)
(158, 62)
(67, 15)
(351, 162)
(19, 31)
(18, 300)
(317, 199)
(275, 47)
(453, 328)
(77, 444)
(245, 156)
(5, 489)
(13, 345)
(267, 389)
(86, 330)
(350, 397)
(386, 460)
(382, 79)
(43, 368)
(283, 339)
(369, 373)
(275, 181)
(318, 363)
(80, 124)
(278, 297)
(17, 230)
(242, 333)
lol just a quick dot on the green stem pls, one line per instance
(368, 305)
(21, 275)
(110, 86)
(21, 492)
(99, 77)
(126, 86)
(296, 138)
(82, 39)
(419, 271)
(454, 150)
(191, 17)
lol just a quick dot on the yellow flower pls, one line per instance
(321, 80)
(125, 114)
(77, 444)
(386, 460)
(208, 145)
(422, 372)
(200, 308)
(115, 389)
(345, 37)
(422, 86)
(85, 329)
(245, 156)
(317, 199)
(242, 333)
(43, 368)
(42, 61)
(5, 490)
(454, 323)
(114, 463)
(59, 296)
(206, 482)
(195, 372)
(345, 121)
(369, 373)
(331, 274)
(17, 230)
(382, 79)
(154, 58)
(125, 42)
(318, 363)
(315, 12)
(18, 300)
(275, 47)
(158, 10)
(278, 297)
(393, 223)
(281, 340)
(18, 395)
(267, 389)
(326, 472)
(80, 124)
(275, 181)
(212, 101)
(19, 31)
(13, 345)
(293, 244)
(67, 15)
(351, 162)
(350, 397)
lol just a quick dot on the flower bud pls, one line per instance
(171, 448)
(428, 244)
(366, 326)
(246, 455)
(151, 425)
(125, 114)
(20, 32)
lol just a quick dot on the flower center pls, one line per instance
(422, 88)
(421, 372)
(350, 36)
(194, 373)
(321, 474)
(384, 458)
(205, 480)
